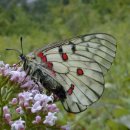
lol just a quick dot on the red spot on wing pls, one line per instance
(64, 56)
(50, 65)
(44, 59)
(80, 71)
(71, 89)
(40, 54)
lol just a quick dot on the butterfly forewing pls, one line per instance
(98, 47)
(78, 65)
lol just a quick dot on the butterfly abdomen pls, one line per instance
(50, 84)
(47, 82)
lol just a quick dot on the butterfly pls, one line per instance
(73, 69)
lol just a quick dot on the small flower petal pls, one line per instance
(52, 108)
(50, 119)
(30, 83)
(36, 107)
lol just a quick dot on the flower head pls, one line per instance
(18, 125)
(36, 107)
(4, 69)
(42, 97)
(50, 119)
(37, 120)
(25, 98)
(52, 108)
(17, 76)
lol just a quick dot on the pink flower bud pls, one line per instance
(7, 117)
(14, 101)
(26, 104)
(38, 119)
(5, 109)
(19, 110)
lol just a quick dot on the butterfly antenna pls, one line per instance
(8, 49)
(16, 49)
(21, 39)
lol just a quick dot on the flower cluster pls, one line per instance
(22, 102)
(33, 103)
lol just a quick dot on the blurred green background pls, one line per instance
(45, 21)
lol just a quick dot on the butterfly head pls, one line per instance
(22, 57)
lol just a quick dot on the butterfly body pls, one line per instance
(73, 69)
(39, 75)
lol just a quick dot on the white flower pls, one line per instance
(31, 101)
(36, 107)
(5, 69)
(17, 76)
(50, 119)
(18, 125)
(40, 97)
(44, 99)
(26, 96)
(34, 91)
(29, 83)
(52, 108)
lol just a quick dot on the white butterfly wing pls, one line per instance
(88, 87)
(79, 65)
(98, 47)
